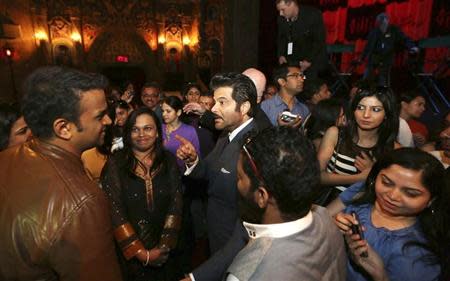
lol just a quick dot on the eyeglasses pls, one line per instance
(297, 75)
(252, 161)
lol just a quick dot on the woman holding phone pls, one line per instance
(403, 213)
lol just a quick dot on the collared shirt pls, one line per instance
(236, 131)
(278, 230)
(231, 136)
(275, 106)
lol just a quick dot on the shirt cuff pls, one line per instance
(191, 276)
(189, 169)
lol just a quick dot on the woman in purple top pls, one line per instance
(172, 127)
(404, 213)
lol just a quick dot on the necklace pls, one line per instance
(170, 130)
(144, 173)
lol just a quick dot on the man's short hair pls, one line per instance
(311, 87)
(287, 163)
(286, 1)
(54, 92)
(152, 84)
(409, 95)
(281, 72)
(243, 88)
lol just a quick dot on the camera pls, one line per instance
(286, 116)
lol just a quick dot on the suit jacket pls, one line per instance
(319, 254)
(215, 267)
(381, 47)
(219, 167)
(308, 34)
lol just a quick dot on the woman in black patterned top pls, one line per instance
(143, 184)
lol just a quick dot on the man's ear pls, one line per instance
(281, 82)
(245, 107)
(63, 128)
(262, 197)
(179, 112)
(403, 104)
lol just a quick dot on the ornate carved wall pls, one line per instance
(163, 37)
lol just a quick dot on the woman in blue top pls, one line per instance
(404, 213)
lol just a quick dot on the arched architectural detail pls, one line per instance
(112, 43)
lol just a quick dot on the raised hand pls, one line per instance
(304, 65)
(364, 162)
(344, 222)
(194, 108)
(127, 95)
(282, 59)
(294, 124)
(186, 151)
(371, 263)
(158, 256)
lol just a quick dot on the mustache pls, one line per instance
(215, 116)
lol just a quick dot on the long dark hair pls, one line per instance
(388, 130)
(323, 116)
(131, 162)
(174, 102)
(433, 219)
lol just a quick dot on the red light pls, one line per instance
(122, 58)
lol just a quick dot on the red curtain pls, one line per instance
(351, 24)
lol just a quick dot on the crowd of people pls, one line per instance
(282, 179)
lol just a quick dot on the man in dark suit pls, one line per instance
(207, 117)
(301, 37)
(382, 43)
(235, 96)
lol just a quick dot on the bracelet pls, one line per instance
(148, 259)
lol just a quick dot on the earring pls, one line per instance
(430, 206)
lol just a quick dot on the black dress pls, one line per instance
(152, 205)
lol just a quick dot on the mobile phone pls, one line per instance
(357, 229)
(286, 116)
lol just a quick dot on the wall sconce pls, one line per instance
(186, 40)
(161, 39)
(41, 35)
(76, 37)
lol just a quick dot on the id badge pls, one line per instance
(290, 47)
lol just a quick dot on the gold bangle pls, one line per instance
(148, 259)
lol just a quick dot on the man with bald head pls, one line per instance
(258, 78)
